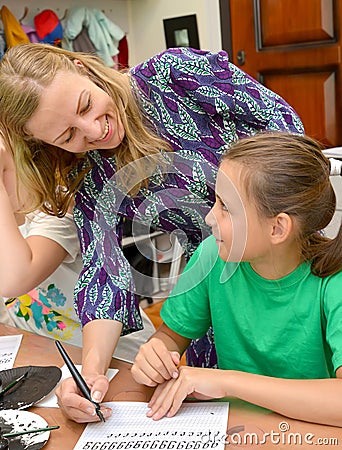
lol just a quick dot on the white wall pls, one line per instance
(146, 36)
(142, 20)
(333, 227)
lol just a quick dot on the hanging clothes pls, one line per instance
(49, 27)
(2, 44)
(82, 43)
(31, 33)
(14, 34)
(104, 34)
(123, 54)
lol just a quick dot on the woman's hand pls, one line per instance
(154, 363)
(199, 383)
(78, 408)
(96, 357)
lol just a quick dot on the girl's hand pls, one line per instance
(199, 383)
(75, 406)
(154, 363)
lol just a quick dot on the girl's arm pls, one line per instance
(26, 262)
(315, 401)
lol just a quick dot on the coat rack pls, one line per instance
(26, 11)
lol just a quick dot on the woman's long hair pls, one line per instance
(288, 173)
(25, 71)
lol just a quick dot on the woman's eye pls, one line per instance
(70, 136)
(87, 106)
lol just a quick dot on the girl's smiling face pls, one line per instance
(76, 115)
(241, 235)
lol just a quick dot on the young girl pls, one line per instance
(72, 120)
(268, 282)
(39, 268)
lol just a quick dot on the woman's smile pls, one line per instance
(76, 115)
(106, 134)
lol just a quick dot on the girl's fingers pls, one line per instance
(148, 370)
(168, 397)
(155, 363)
(175, 358)
(159, 396)
(141, 376)
(169, 400)
(164, 361)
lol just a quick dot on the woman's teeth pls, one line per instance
(105, 131)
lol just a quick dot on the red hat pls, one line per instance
(48, 27)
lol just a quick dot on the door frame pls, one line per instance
(225, 22)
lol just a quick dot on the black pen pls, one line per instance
(79, 380)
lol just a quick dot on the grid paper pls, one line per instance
(196, 425)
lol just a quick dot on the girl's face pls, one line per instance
(241, 235)
(76, 115)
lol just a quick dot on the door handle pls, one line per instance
(240, 56)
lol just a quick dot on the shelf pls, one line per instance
(132, 240)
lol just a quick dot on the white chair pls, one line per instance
(171, 255)
(335, 156)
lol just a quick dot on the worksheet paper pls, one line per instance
(199, 425)
(9, 346)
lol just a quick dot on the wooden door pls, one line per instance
(294, 48)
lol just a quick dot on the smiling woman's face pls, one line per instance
(76, 115)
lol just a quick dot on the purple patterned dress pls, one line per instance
(200, 103)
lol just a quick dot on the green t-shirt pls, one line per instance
(286, 328)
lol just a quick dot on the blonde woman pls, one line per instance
(145, 145)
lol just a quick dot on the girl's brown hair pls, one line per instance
(288, 173)
(25, 71)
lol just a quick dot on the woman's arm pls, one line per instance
(315, 401)
(105, 299)
(100, 338)
(105, 288)
(220, 89)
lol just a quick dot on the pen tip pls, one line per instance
(100, 415)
